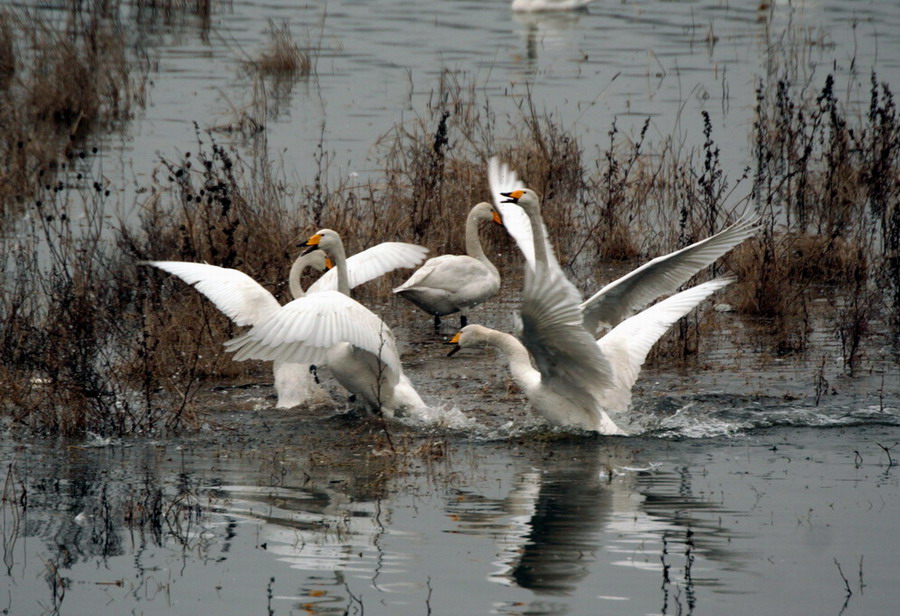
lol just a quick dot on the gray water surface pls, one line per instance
(296, 519)
(378, 64)
(746, 496)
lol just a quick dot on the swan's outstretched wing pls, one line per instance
(303, 330)
(516, 220)
(242, 299)
(502, 179)
(663, 275)
(626, 345)
(566, 355)
(372, 263)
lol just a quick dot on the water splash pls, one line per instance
(671, 417)
(716, 416)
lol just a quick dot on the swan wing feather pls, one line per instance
(661, 276)
(627, 344)
(565, 353)
(303, 330)
(237, 295)
(502, 179)
(372, 263)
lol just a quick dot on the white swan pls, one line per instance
(248, 303)
(456, 283)
(575, 383)
(546, 6)
(578, 381)
(329, 327)
(622, 297)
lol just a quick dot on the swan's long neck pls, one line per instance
(538, 235)
(300, 264)
(473, 241)
(517, 355)
(340, 262)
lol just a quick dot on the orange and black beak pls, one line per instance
(313, 244)
(455, 341)
(513, 197)
(497, 217)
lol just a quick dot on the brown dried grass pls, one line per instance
(102, 345)
(282, 56)
(59, 85)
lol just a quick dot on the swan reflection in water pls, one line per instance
(583, 498)
(542, 30)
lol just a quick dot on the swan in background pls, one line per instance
(456, 283)
(546, 29)
(248, 303)
(624, 296)
(578, 381)
(329, 327)
(547, 6)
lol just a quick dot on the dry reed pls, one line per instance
(282, 56)
(90, 341)
(59, 85)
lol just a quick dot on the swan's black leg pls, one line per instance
(313, 370)
(463, 321)
(437, 324)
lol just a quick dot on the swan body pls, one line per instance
(546, 6)
(456, 283)
(375, 385)
(577, 381)
(247, 303)
(329, 327)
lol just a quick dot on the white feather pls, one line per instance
(304, 329)
(373, 263)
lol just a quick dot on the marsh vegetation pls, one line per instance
(145, 470)
(90, 341)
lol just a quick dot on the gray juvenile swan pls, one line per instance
(456, 283)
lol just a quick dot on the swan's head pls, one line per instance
(470, 335)
(486, 211)
(525, 198)
(326, 240)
